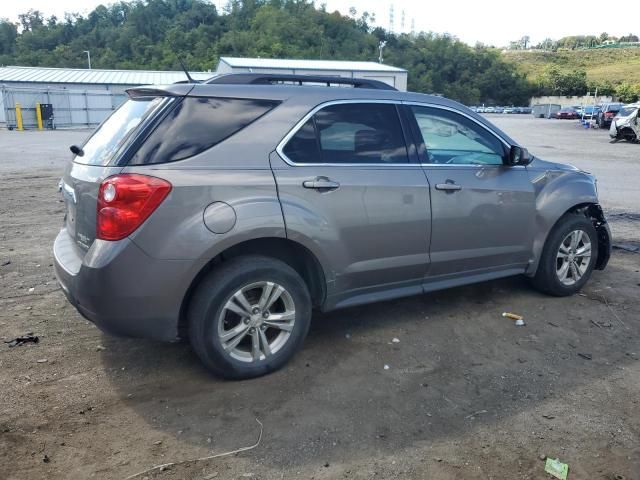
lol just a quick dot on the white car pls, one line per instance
(624, 125)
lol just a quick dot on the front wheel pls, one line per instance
(568, 257)
(249, 316)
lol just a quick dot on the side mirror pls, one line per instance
(76, 150)
(519, 156)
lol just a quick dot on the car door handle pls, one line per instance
(321, 184)
(448, 187)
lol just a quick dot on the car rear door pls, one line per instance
(351, 193)
(483, 211)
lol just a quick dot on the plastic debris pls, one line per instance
(27, 338)
(556, 468)
(586, 356)
(395, 340)
(386, 367)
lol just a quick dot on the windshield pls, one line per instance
(116, 130)
(626, 111)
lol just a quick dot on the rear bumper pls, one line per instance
(120, 289)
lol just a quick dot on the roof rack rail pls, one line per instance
(273, 78)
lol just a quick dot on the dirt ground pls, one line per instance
(467, 394)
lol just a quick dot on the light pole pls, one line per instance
(88, 57)
(381, 46)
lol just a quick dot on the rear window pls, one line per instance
(196, 124)
(116, 131)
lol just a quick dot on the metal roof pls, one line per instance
(95, 76)
(289, 64)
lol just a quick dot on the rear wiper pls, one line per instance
(76, 150)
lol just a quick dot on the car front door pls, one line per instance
(483, 211)
(351, 193)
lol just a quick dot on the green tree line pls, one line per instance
(154, 34)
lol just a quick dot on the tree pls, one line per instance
(31, 20)
(8, 35)
(628, 93)
(629, 38)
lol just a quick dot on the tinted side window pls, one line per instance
(361, 133)
(196, 124)
(303, 146)
(350, 133)
(451, 138)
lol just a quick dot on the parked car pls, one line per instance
(527, 110)
(545, 110)
(508, 110)
(480, 109)
(606, 114)
(490, 110)
(590, 112)
(624, 125)
(225, 212)
(567, 114)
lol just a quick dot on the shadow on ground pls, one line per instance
(458, 364)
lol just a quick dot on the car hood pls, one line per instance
(539, 164)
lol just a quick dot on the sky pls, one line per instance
(491, 22)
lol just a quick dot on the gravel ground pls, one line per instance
(466, 395)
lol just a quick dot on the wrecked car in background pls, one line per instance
(625, 124)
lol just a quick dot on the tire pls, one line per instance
(214, 311)
(548, 277)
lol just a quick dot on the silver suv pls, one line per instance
(227, 211)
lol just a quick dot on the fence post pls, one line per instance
(18, 117)
(39, 115)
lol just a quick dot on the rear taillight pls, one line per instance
(609, 114)
(125, 201)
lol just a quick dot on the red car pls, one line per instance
(567, 114)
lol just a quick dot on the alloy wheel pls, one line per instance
(573, 257)
(256, 321)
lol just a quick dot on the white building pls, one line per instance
(85, 97)
(79, 96)
(394, 76)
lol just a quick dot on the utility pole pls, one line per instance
(88, 57)
(381, 45)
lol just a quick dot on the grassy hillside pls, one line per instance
(613, 64)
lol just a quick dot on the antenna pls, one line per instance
(391, 19)
(402, 22)
(186, 72)
(413, 27)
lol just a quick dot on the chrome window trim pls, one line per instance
(313, 111)
(317, 108)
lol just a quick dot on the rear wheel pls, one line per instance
(568, 257)
(249, 316)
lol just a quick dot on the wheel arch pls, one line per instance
(294, 254)
(591, 210)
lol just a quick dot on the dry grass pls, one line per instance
(615, 65)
